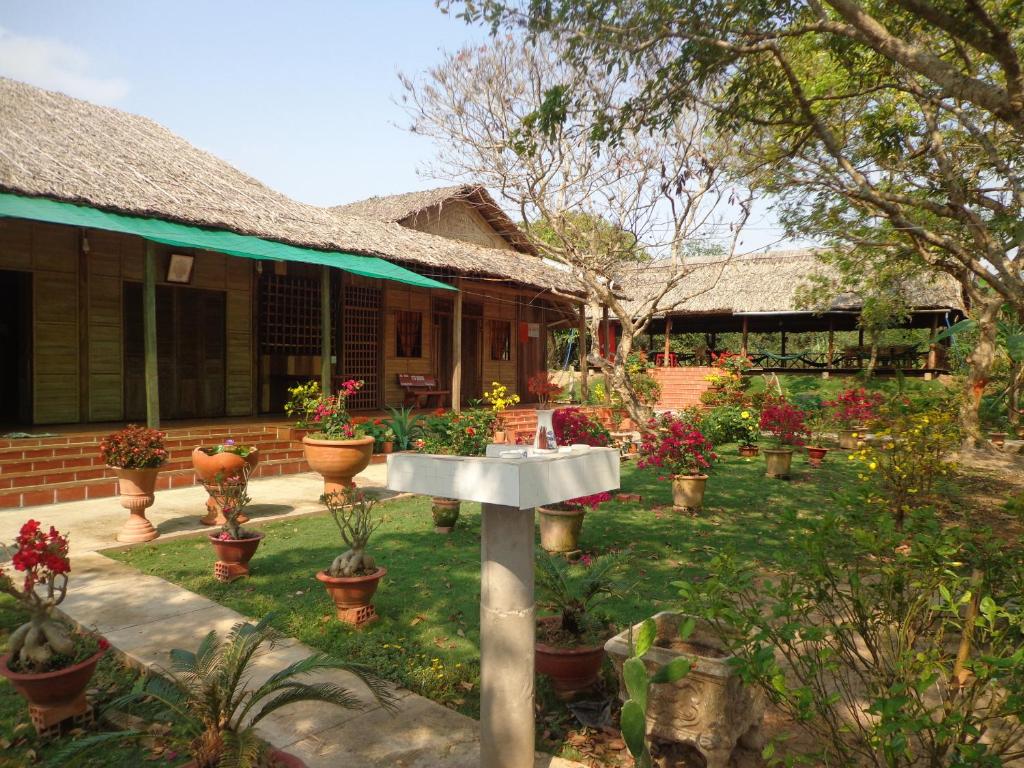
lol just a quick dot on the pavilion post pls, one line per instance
(457, 350)
(782, 350)
(584, 367)
(326, 385)
(152, 368)
(831, 347)
(746, 329)
(933, 361)
(668, 341)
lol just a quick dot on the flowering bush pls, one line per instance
(134, 447)
(854, 406)
(330, 417)
(44, 644)
(457, 434)
(728, 384)
(582, 503)
(302, 402)
(574, 427)
(675, 446)
(731, 423)
(541, 385)
(500, 398)
(785, 423)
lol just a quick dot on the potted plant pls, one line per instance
(445, 513)
(500, 400)
(673, 445)
(404, 426)
(850, 410)
(301, 405)
(562, 523)
(818, 424)
(224, 460)
(570, 643)
(337, 450)
(47, 662)
(208, 696)
(136, 455)
(352, 578)
(573, 426)
(785, 423)
(234, 545)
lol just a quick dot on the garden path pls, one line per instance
(143, 617)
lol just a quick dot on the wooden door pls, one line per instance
(472, 359)
(15, 348)
(441, 348)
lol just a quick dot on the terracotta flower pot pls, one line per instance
(61, 691)
(849, 439)
(749, 451)
(338, 461)
(560, 528)
(387, 446)
(688, 492)
(233, 555)
(571, 670)
(815, 455)
(136, 489)
(295, 434)
(778, 462)
(445, 512)
(350, 592)
(226, 464)
(499, 436)
(998, 439)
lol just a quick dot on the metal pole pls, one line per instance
(325, 330)
(152, 367)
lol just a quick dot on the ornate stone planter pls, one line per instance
(998, 439)
(688, 492)
(136, 489)
(338, 461)
(778, 462)
(710, 708)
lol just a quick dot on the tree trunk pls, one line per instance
(873, 357)
(616, 377)
(980, 360)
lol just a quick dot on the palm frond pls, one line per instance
(73, 752)
(294, 692)
(242, 749)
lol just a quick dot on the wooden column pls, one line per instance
(325, 330)
(606, 352)
(933, 353)
(782, 350)
(457, 350)
(582, 343)
(152, 368)
(668, 341)
(831, 342)
(743, 343)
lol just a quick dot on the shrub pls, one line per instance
(854, 406)
(675, 446)
(134, 447)
(302, 402)
(731, 424)
(572, 426)
(404, 425)
(541, 385)
(499, 397)
(785, 423)
(458, 434)
(330, 415)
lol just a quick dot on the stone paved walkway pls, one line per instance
(143, 617)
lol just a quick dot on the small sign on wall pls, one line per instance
(533, 330)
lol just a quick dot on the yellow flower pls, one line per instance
(872, 465)
(745, 415)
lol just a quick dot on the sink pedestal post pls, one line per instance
(507, 635)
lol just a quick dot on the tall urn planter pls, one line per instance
(225, 462)
(337, 461)
(136, 488)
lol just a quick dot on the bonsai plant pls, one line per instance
(208, 697)
(851, 410)
(785, 423)
(500, 400)
(570, 643)
(46, 662)
(136, 455)
(226, 459)
(337, 449)
(405, 426)
(234, 545)
(673, 445)
(353, 576)
(543, 388)
(301, 405)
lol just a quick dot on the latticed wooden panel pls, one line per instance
(361, 343)
(289, 315)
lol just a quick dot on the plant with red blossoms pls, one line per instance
(330, 418)
(43, 644)
(674, 446)
(541, 385)
(582, 503)
(134, 447)
(785, 423)
(854, 406)
(574, 427)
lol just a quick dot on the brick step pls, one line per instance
(105, 487)
(26, 451)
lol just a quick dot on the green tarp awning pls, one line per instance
(184, 236)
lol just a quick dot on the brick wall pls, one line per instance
(681, 387)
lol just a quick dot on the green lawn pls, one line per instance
(428, 634)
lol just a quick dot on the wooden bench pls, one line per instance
(419, 389)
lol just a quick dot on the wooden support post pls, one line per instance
(325, 331)
(457, 350)
(782, 350)
(582, 344)
(152, 368)
(668, 341)
(743, 343)
(831, 348)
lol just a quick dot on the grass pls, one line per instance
(428, 636)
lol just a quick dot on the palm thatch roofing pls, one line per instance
(66, 149)
(769, 283)
(402, 208)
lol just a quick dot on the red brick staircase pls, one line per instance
(49, 470)
(681, 387)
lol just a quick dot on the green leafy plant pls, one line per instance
(405, 425)
(134, 447)
(229, 446)
(302, 402)
(731, 423)
(206, 693)
(458, 434)
(574, 591)
(353, 513)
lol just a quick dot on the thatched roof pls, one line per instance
(66, 149)
(768, 283)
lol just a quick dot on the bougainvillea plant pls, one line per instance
(134, 447)
(676, 447)
(785, 423)
(541, 385)
(573, 426)
(330, 418)
(43, 644)
(854, 406)
(231, 494)
(582, 503)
